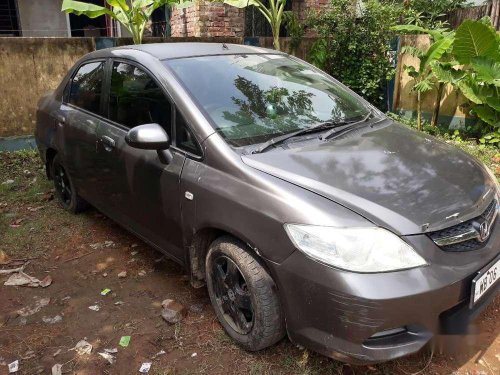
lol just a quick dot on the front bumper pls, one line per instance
(370, 318)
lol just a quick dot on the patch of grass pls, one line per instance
(27, 172)
(27, 213)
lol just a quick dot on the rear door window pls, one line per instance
(136, 99)
(86, 87)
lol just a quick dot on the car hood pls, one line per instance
(396, 177)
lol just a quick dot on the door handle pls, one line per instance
(61, 120)
(109, 143)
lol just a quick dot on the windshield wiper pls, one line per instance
(313, 129)
(349, 125)
(282, 138)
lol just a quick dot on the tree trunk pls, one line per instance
(276, 43)
(437, 104)
(419, 111)
(495, 14)
(276, 38)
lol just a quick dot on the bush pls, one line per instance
(353, 45)
(430, 14)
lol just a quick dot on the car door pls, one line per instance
(140, 191)
(78, 119)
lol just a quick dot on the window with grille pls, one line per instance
(9, 24)
(257, 25)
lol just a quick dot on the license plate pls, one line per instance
(484, 281)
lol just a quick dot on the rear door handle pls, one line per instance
(109, 143)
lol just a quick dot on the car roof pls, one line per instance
(166, 51)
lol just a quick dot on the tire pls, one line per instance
(65, 190)
(259, 321)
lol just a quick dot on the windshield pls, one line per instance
(253, 98)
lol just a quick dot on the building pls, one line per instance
(200, 18)
(43, 18)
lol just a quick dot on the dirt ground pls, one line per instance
(84, 253)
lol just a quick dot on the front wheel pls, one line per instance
(244, 295)
(65, 189)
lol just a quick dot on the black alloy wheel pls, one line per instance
(65, 190)
(243, 294)
(232, 295)
(62, 184)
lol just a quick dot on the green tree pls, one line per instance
(133, 14)
(353, 44)
(273, 13)
(295, 29)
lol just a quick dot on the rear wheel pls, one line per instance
(243, 295)
(64, 188)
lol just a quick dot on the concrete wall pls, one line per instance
(405, 100)
(40, 18)
(29, 67)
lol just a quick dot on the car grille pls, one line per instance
(466, 236)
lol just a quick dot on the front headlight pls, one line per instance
(366, 250)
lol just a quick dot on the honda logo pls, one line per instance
(483, 231)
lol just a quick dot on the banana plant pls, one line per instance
(133, 14)
(438, 54)
(273, 13)
(445, 73)
(477, 48)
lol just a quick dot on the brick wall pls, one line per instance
(217, 19)
(303, 7)
(185, 22)
(207, 19)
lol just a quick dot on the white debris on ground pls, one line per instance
(82, 347)
(54, 320)
(102, 245)
(145, 367)
(108, 357)
(22, 279)
(57, 369)
(14, 366)
(161, 352)
(33, 309)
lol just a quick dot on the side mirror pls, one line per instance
(150, 137)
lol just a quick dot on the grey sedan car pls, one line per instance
(305, 210)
